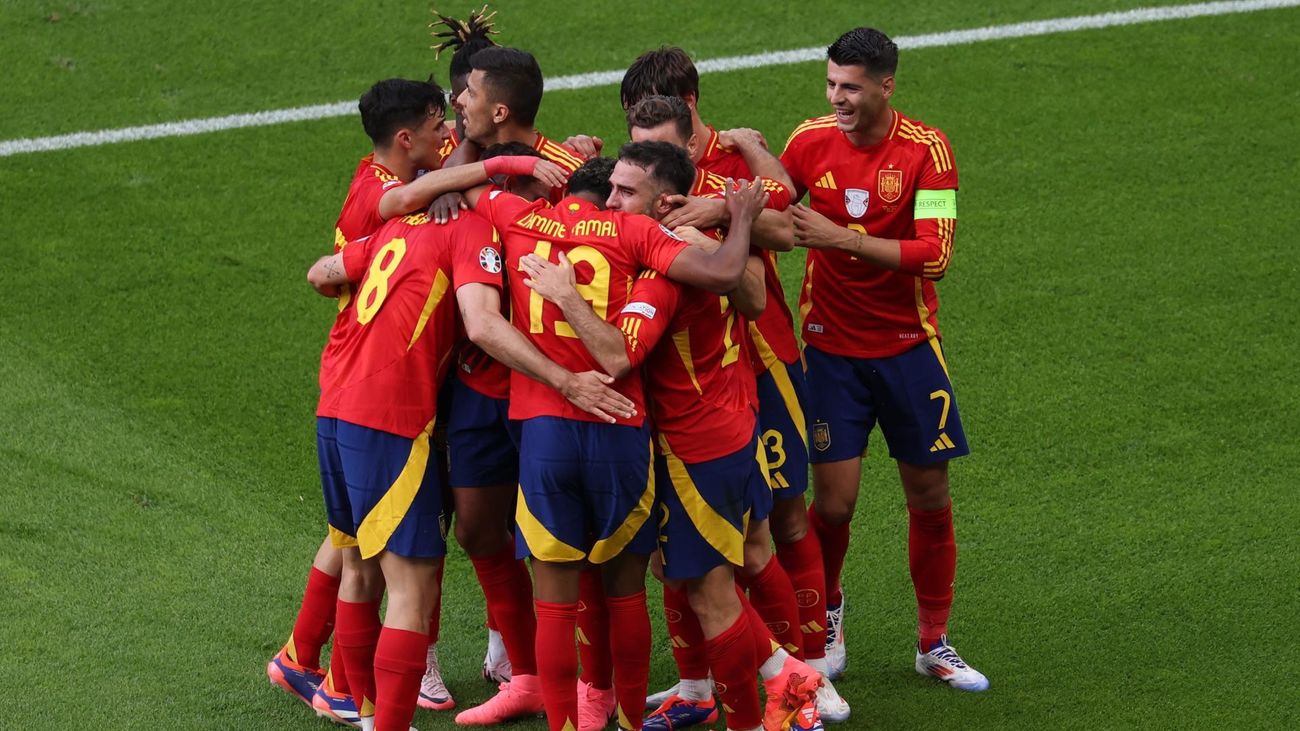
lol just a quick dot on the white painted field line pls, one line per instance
(607, 78)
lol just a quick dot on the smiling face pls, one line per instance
(858, 99)
(633, 190)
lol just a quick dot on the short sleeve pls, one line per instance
(653, 245)
(475, 252)
(500, 208)
(645, 318)
(356, 257)
(792, 161)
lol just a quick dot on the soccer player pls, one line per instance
(467, 38)
(710, 471)
(879, 233)
(404, 120)
(775, 354)
(502, 95)
(564, 488)
(379, 388)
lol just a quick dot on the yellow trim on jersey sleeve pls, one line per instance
(382, 520)
(935, 204)
(436, 293)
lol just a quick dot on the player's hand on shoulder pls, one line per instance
(695, 211)
(447, 207)
(590, 392)
(697, 238)
(550, 174)
(745, 199)
(585, 146)
(553, 282)
(742, 137)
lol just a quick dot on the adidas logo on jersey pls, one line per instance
(826, 181)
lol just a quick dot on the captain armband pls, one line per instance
(935, 204)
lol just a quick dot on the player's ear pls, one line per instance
(691, 101)
(500, 113)
(662, 205)
(692, 144)
(403, 138)
(887, 86)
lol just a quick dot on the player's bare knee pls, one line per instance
(925, 486)
(789, 520)
(757, 554)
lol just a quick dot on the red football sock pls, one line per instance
(731, 656)
(435, 617)
(356, 633)
(773, 597)
(760, 636)
(315, 622)
(399, 666)
(508, 592)
(688, 639)
(803, 562)
(338, 670)
(557, 663)
(593, 632)
(490, 623)
(835, 546)
(932, 557)
(629, 641)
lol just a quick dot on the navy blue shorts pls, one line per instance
(782, 393)
(586, 490)
(482, 444)
(705, 509)
(382, 492)
(909, 394)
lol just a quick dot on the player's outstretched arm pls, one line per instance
(419, 194)
(480, 309)
(750, 298)
(721, 271)
(557, 284)
(327, 274)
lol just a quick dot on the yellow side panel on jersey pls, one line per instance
(613, 544)
(715, 529)
(436, 293)
(930, 335)
(378, 525)
(542, 545)
(682, 341)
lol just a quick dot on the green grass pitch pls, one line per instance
(1119, 316)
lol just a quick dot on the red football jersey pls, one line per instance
(857, 309)
(771, 336)
(360, 215)
(722, 161)
(388, 353)
(701, 389)
(476, 369)
(608, 249)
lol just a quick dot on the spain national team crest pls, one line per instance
(855, 201)
(490, 259)
(822, 436)
(889, 185)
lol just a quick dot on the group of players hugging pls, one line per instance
(590, 361)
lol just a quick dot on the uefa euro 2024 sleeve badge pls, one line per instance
(855, 201)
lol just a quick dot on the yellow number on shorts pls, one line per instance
(775, 445)
(375, 290)
(732, 352)
(947, 401)
(596, 292)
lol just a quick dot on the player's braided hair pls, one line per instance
(466, 37)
